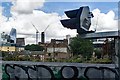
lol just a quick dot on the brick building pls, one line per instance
(57, 49)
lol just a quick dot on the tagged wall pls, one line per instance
(53, 71)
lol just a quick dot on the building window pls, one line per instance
(49, 54)
(56, 54)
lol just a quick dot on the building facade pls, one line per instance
(7, 47)
(9, 42)
(20, 44)
(57, 49)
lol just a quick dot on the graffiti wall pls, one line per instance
(53, 72)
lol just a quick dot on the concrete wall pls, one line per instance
(50, 70)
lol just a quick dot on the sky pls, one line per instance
(21, 15)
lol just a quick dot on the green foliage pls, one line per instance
(101, 61)
(74, 59)
(77, 60)
(34, 47)
(49, 60)
(81, 46)
(98, 52)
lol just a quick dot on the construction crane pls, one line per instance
(37, 33)
(43, 35)
(47, 27)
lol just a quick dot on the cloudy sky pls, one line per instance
(21, 14)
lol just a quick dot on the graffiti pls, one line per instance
(100, 73)
(19, 72)
(70, 72)
(43, 72)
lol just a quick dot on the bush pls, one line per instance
(98, 53)
(101, 61)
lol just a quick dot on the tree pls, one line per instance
(81, 46)
(34, 47)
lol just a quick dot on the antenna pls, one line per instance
(37, 33)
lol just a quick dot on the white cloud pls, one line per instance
(23, 24)
(27, 6)
(2, 18)
(0, 10)
(104, 22)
